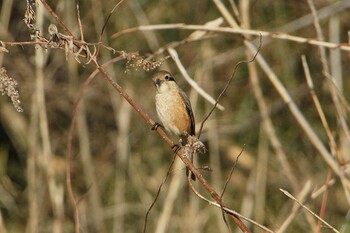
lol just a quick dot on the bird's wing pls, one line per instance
(190, 112)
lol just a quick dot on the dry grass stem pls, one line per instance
(302, 195)
(308, 210)
(245, 32)
(333, 85)
(322, 189)
(195, 85)
(332, 143)
(229, 210)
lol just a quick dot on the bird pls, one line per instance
(174, 108)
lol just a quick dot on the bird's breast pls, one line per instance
(172, 112)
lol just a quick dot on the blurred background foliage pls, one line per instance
(118, 162)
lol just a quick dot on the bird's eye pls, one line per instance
(168, 77)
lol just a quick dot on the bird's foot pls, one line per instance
(176, 147)
(156, 125)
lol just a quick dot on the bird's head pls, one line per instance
(164, 81)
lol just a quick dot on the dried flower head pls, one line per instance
(29, 16)
(55, 39)
(135, 61)
(195, 145)
(8, 86)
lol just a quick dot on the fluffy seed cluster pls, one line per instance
(195, 145)
(8, 86)
(135, 61)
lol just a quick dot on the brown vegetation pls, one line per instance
(75, 156)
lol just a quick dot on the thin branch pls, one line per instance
(227, 85)
(324, 200)
(79, 22)
(109, 16)
(229, 211)
(106, 22)
(332, 143)
(323, 188)
(12, 43)
(308, 210)
(275, 35)
(231, 172)
(59, 21)
(226, 183)
(302, 195)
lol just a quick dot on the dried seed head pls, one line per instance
(8, 86)
(135, 61)
(29, 16)
(195, 145)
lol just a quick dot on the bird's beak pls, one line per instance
(157, 82)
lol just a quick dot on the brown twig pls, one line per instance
(79, 22)
(59, 21)
(324, 200)
(211, 191)
(332, 143)
(225, 186)
(24, 43)
(109, 16)
(105, 23)
(231, 172)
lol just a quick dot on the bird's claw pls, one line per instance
(156, 125)
(176, 148)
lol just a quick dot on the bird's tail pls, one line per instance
(193, 177)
